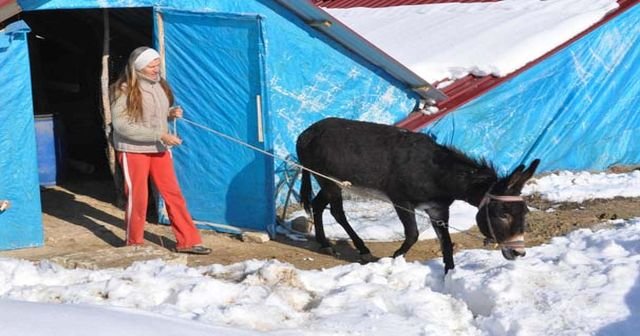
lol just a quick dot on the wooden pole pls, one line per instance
(106, 112)
(104, 77)
(161, 49)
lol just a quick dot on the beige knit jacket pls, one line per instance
(141, 136)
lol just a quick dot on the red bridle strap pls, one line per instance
(504, 198)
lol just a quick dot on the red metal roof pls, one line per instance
(383, 3)
(8, 8)
(469, 87)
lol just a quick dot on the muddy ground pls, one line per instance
(81, 223)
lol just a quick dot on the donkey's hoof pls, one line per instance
(328, 251)
(367, 258)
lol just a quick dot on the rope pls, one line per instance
(343, 184)
(175, 126)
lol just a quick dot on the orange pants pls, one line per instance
(137, 168)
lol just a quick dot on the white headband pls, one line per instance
(145, 58)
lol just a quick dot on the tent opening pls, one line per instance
(66, 48)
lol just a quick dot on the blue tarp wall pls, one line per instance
(577, 110)
(21, 224)
(303, 76)
(308, 76)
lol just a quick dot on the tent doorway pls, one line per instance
(66, 48)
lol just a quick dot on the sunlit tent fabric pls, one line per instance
(21, 224)
(577, 109)
(223, 179)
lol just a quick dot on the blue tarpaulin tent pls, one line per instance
(259, 71)
(578, 109)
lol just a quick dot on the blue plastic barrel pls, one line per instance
(47, 149)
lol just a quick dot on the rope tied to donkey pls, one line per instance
(342, 184)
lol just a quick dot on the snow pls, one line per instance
(585, 283)
(452, 40)
(579, 186)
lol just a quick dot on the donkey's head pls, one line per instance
(501, 213)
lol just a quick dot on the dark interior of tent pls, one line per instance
(66, 54)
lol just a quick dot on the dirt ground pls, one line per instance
(80, 222)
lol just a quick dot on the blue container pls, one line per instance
(46, 144)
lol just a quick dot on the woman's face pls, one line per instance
(152, 70)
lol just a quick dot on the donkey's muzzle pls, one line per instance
(513, 253)
(514, 248)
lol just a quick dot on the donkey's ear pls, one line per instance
(514, 177)
(526, 175)
(517, 181)
(518, 169)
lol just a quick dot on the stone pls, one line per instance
(254, 237)
(301, 224)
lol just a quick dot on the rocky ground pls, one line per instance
(84, 229)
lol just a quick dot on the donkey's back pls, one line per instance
(366, 154)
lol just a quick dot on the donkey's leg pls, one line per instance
(318, 205)
(408, 219)
(439, 217)
(337, 211)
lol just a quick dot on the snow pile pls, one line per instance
(585, 283)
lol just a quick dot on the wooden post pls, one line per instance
(154, 195)
(106, 113)
(161, 49)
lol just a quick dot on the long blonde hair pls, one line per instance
(128, 84)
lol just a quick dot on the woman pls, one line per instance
(140, 114)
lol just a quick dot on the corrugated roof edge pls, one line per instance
(470, 87)
(316, 17)
(8, 8)
(384, 3)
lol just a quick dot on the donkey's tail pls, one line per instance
(305, 191)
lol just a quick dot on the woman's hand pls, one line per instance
(170, 140)
(175, 112)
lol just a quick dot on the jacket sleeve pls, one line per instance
(129, 129)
